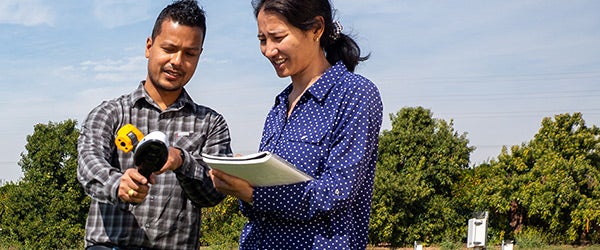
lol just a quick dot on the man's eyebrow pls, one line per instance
(171, 44)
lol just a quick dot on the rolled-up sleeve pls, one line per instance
(193, 175)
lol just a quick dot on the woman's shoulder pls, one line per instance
(356, 81)
(350, 79)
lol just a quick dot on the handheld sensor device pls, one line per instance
(150, 152)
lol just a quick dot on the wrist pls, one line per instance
(182, 155)
(250, 197)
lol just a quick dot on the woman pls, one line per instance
(326, 123)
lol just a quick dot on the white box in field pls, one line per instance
(477, 233)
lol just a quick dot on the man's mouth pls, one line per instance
(173, 74)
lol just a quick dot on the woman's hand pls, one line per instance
(231, 185)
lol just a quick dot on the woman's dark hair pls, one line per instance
(186, 12)
(302, 13)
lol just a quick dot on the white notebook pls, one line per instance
(259, 169)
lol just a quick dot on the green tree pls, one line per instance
(421, 159)
(222, 224)
(549, 186)
(47, 208)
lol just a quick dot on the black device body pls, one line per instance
(150, 156)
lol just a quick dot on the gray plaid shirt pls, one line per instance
(169, 217)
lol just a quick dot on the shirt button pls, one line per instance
(337, 192)
(263, 218)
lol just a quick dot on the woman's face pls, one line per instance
(289, 49)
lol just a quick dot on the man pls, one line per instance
(129, 211)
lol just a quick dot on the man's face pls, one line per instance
(173, 55)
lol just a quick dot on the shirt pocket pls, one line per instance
(190, 141)
(309, 149)
(312, 137)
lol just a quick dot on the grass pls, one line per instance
(515, 247)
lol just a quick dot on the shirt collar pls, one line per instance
(140, 94)
(322, 86)
(326, 82)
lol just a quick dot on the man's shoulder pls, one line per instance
(110, 107)
(207, 113)
(116, 101)
(127, 99)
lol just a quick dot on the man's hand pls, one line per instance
(174, 161)
(134, 187)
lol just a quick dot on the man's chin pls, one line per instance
(170, 87)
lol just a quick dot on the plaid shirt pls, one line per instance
(169, 217)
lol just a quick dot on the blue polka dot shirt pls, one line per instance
(332, 135)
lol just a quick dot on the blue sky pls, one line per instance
(496, 68)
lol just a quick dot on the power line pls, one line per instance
(518, 113)
(494, 78)
(511, 96)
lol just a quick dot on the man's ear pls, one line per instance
(148, 46)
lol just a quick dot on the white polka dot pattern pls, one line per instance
(332, 134)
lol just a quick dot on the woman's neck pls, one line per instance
(301, 82)
(306, 78)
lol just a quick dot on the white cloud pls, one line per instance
(210, 60)
(119, 70)
(116, 13)
(26, 12)
(458, 58)
(356, 7)
(116, 70)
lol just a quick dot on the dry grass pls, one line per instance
(516, 247)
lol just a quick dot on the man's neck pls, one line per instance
(163, 98)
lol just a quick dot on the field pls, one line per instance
(515, 247)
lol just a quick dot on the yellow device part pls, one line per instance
(128, 137)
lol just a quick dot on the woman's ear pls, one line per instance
(318, 27)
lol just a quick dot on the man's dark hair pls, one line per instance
(185, 12)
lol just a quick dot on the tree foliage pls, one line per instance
(549, 185)
(544, 191)
(421, 159)
(47, 208)
(222, 224)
